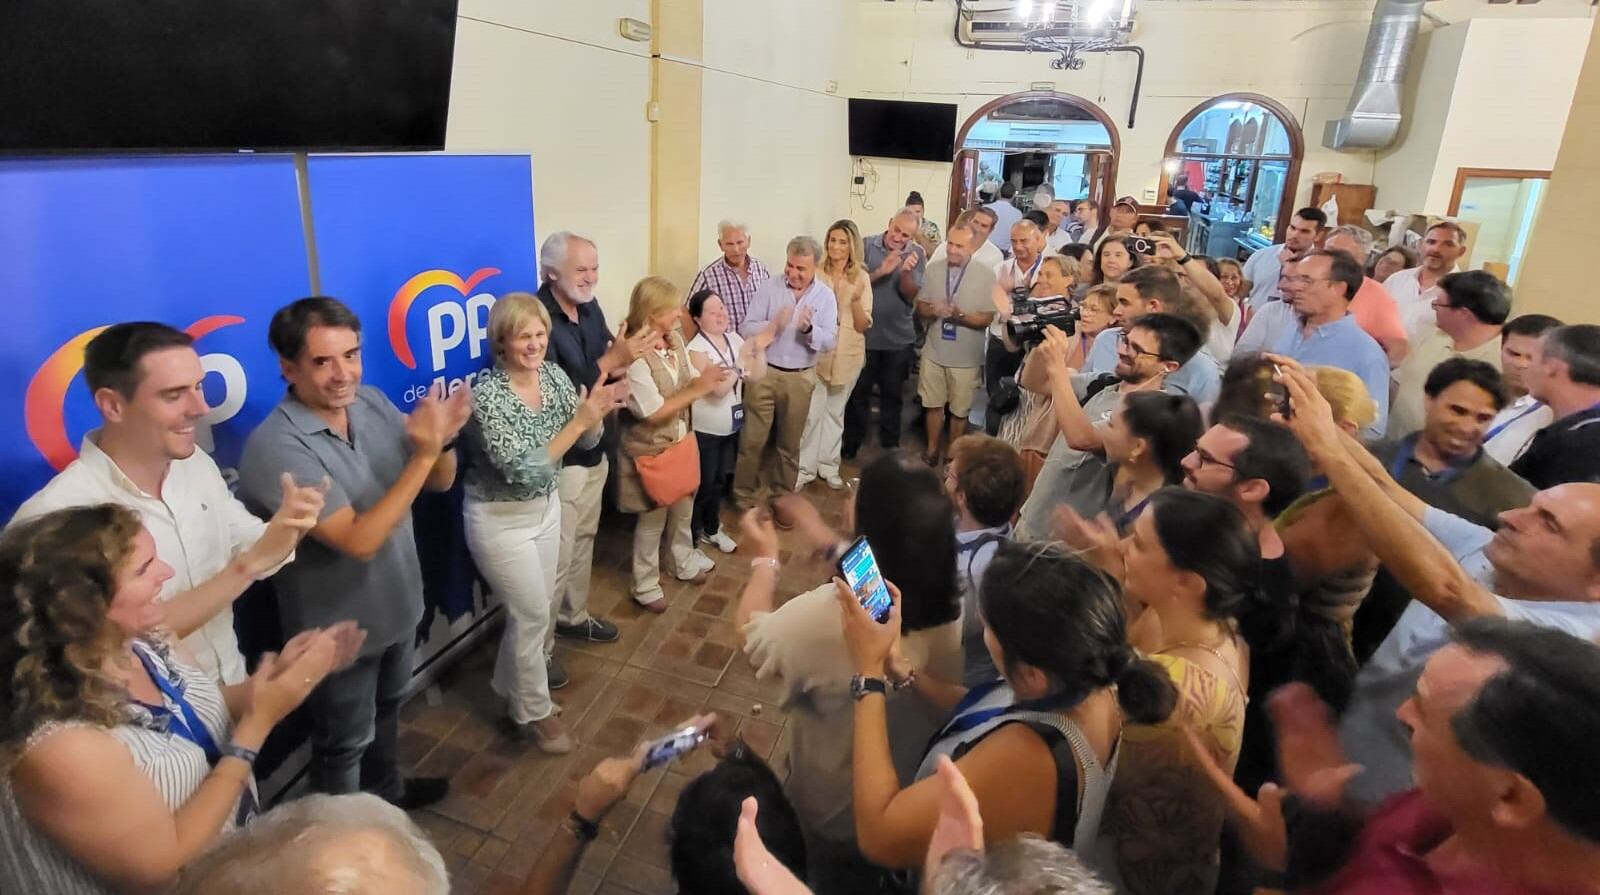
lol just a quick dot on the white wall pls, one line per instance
(774, 148)
(554, 79)
(1303, 54)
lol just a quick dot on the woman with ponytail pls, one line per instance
(1039, 747)
(1189, 564)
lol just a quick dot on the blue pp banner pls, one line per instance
(210, 245)
(418, 246)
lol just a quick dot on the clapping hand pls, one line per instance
(1096, 539)
(282, 681)
(891, 262)
(802, 317)
(626, 349)
(595, 404)
(759, 532)
(297, 514)
(436, 419)
(1314, 770)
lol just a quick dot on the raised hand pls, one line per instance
(427, 423)
(1311, 418)
(713, 379)
(890, 263)
(1097, 539)
(1314, 766)
(282, 682)
(595, 404)
(960, 825)
(457, 409)
(759, 532)
(760, 871)
(297, 514)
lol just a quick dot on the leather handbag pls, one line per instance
(673, 474)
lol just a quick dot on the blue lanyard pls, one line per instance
(1534, 408)
(185, 722)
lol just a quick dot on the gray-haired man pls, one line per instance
(776, 405)
(735, 276)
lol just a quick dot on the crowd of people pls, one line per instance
(1207, 577)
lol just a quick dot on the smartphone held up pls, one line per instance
(859, 568)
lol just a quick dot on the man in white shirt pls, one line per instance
(1415, 289)
(146, 379)
(1541, 566)
(1524, 415)
(1262, 267)
(1056, 237)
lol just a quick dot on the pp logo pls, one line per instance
(450, 322)
(45, 405)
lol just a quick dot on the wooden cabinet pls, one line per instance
(1355, 199)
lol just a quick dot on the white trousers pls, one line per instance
(674, 521)
(515, 544)
(819, 446)
(581, 489)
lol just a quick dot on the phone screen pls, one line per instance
(673, 745)
(860, 570)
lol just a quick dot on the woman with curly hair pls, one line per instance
(121, 761)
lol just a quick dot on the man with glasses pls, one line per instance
(1326, 334)
(1470, 308)
(1152, 348)
(1269, 325)
(1154, 289)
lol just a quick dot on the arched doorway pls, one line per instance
(1242, 152)
(1033, 138)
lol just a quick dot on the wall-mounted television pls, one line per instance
(886, 128)
(224, 75)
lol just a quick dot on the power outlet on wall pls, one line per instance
(858, 180)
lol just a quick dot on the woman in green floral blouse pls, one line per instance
(525, 416)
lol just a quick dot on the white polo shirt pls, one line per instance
(1514, 427)
(1414, 303)
(197, 523)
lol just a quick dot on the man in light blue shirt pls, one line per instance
(1005, 214)
(1327, 335)
(1153, 290)
(776, 405)
(1541, 566)
(1262, 268)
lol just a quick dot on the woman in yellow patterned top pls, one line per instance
(1188, 565)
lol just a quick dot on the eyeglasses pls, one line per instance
(1208, 459)
(1125, 342)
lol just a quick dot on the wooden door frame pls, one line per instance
(1297, 151)
(1496, 173)
(998, 102)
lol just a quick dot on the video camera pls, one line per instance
(1030, 316)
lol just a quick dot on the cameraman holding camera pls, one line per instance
(956, 299)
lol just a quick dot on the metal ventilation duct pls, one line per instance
(1372, 120)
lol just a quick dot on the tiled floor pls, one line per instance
(507, 799)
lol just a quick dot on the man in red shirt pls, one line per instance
(1503, 726)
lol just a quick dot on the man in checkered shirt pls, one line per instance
(735, 276)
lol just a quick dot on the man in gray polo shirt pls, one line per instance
(360, 561)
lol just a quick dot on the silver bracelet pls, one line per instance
(759, 561)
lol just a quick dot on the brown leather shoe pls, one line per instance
(781, 517)
(551, 736)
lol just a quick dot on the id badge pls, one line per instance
(947, 330)
(738, 417)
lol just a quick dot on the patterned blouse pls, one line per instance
(507, 442)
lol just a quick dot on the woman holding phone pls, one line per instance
(1040, 748)
(905, 516)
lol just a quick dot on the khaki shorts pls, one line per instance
(950, 387)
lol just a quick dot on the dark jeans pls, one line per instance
(355, 719)
(886, 369)
(718, 455)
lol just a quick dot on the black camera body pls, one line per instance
(1030, 316)
(1142, 245)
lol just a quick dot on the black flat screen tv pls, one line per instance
(886, 128)
(224, 75)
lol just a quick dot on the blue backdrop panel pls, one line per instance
(211, 245)
(420, 246)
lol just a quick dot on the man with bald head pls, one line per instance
(895, 264)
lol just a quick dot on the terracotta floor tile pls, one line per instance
(508, 799)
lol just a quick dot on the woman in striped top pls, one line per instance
(120, 761)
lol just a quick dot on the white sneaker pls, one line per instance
(804, 479)
(834, 481)
(697, 564)
(721, 541)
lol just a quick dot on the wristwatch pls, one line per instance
(1185, 259)
(861, 685)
